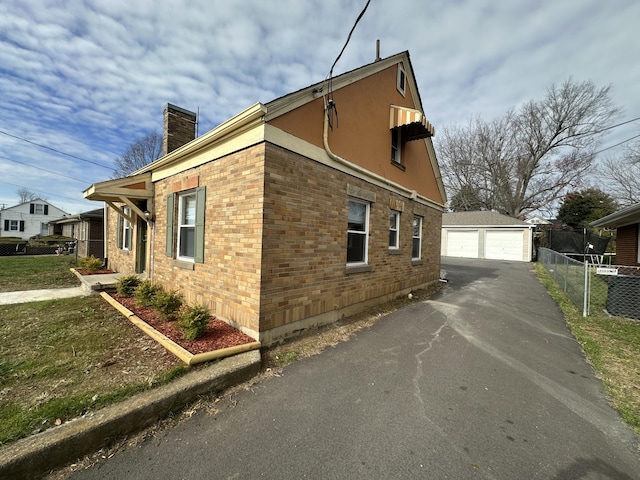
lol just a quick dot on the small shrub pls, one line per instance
(91, 264)
(127, 284)
(168, 304)
(193, 321)
(146, 293)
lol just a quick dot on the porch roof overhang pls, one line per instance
(413, 123)
(128, 190)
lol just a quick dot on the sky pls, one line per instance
(80, 80)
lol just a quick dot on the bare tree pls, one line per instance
(623, 175)
(26, 195)
(530, 157)
(140, 153)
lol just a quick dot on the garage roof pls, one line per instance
(481, 218)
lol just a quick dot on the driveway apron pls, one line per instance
(483, 380)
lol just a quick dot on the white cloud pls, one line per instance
(89, 77)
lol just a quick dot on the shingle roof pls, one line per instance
(480, 219)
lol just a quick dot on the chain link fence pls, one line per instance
(593, 287)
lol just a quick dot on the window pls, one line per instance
(185, 225)
(357, 231)
(12, 225)
(38, 209)
(396, 146)
(401, 80)
(417, 238)
(126, 230)
(394, 229)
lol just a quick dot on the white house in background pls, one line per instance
(488, 235)
(28, 219)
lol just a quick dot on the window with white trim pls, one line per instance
(394, 229)
(186, 226)
(127, 230)
(396, 146)
(357, 232)
(401, 84)
(13, 225)
(416, 249)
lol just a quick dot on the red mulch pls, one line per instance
(82, 271)
(218, 335)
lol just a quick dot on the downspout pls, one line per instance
(105, 238)
(325, 137)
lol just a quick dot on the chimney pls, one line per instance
(179, 128)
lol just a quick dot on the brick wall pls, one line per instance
(122, 261)
(627, 245)
(275, 243)
(305, 279)
(228, 282)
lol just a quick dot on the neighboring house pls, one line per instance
(284, 216)
(627, 223)
(87, 228)
(28, 219)
(537, 220)
(487, 235)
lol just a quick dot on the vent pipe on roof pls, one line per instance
(378, 50)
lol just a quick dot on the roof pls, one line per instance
(98, 213)
(480, 218)
(627, 216)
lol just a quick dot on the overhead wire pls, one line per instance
(45, 170)
(55, 150)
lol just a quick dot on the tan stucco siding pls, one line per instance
(361, 132)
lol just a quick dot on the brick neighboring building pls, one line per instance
(87, 228)
(627, 224)
(283, 218)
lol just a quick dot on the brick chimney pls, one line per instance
(179, 128)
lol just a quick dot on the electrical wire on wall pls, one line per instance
(329, 105)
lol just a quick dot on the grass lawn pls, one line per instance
(62, 358)
(36, 272)
(612, 346)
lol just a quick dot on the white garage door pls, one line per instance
(462, 244)
(504, 245)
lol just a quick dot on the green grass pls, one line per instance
(612, 346)
(36, 272)
(60, 359)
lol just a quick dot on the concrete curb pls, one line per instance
(34, 456)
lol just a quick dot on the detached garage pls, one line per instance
(486, 235)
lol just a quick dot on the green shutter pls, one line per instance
(170, 217)
(199, 231)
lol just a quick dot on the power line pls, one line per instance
(618, 125)
(349, 37)
(45, 170)
(45, 193)
(57, 151)
(616, 145)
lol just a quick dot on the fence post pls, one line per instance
(585, 294)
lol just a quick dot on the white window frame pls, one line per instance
(14, 225)
(396, 146)
(417, 237)
(127, 230)
(395, 229)
(364, 233)
(38, 209)
(183, 226)
(401, 81)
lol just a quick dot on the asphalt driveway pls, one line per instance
(483, 380)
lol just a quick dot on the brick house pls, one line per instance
(287, 215)
(627, 224)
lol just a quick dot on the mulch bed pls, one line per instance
(219, 334)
